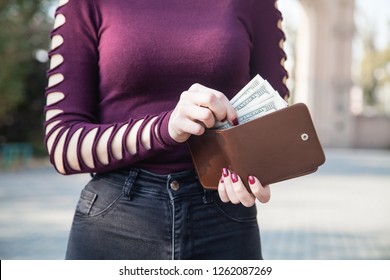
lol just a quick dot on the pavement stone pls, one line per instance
(340, 212)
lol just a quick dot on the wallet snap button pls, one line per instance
(175, 185)
(304, 137)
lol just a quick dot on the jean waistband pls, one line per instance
(173, 185)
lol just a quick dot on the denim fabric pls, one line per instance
(139, 215)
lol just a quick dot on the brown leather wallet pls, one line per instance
(279, 146)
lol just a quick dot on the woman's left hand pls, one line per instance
(231, 188)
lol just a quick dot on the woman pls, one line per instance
(129, 83)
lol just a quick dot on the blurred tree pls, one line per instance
(375, 68)
(24, 37)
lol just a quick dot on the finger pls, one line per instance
(194, 128)
(201, 88)
(246, 199)
(211, 100)
(231, 113)
(215, 100)
(229, 186)
(189, 110)
(201, 114)
(262, 193)
(189, 126)
(222, 191)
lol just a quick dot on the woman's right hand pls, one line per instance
(199, 108)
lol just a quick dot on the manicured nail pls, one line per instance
(251, 179)
(234, 177)
(235, 122)
(221, 180)
(225, 172)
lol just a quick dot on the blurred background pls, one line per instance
(339, 65)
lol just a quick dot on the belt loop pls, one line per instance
(129, 182)
(207, 196)
(169, 178)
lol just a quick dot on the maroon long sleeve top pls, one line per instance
(118, 67)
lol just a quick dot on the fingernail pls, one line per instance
(235, 122)
(234, 177)
(251, 179)
(221, 180)
(225, 172)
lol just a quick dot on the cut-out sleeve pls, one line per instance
(74, 138)
(268, 56)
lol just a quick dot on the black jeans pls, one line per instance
(140, 215)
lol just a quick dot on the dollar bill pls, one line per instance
(259, 94)
(248, 89)
(256, 99)
(253, 113)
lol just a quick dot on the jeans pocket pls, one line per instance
(98, 197)
(86, 201)
(235, 212)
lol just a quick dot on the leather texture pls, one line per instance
(279, 146)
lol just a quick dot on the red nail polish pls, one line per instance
(251, 179)
(225, 172)
(221, 180)
(234, 177)
(235, 122)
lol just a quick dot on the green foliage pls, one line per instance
(375, 69)
(24, 29)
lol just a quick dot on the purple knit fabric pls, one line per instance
(123, 61)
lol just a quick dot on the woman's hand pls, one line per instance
(232, 189)
(199, 108)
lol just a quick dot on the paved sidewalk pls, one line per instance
(340, 212)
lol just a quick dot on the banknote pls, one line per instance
(256, 99)
(253, 113)
(248, 89)
(258, 93)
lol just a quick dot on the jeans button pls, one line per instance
(175, 185)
